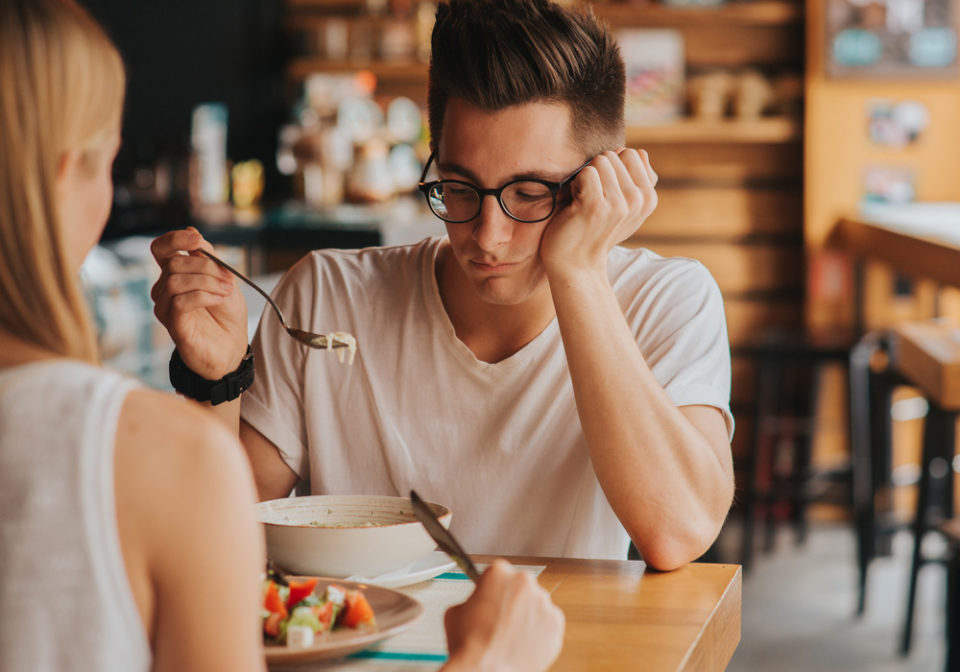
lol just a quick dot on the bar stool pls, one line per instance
(789, 366)
(928, 355)
(951, 530)
(871, 447)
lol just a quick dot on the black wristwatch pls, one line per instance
(195, 386)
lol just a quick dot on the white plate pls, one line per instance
(437, 562)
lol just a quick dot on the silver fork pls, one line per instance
(319, 341)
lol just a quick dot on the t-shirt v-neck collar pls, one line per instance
(448, 334)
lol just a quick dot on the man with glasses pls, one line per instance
(525, 200)
(561, 394)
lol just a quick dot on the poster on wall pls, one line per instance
(896, 124)
(891, 39)
(888, 185)
(654, 61)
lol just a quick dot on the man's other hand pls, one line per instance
(610, 200)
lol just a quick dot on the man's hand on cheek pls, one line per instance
(610, 199)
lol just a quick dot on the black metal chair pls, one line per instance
(934, 498)
(779, 476)
(871, 445)
(951, 530)
(926, 355)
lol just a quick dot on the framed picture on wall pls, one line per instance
(654, 61)
(891, 39)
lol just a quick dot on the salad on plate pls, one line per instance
(295, 614)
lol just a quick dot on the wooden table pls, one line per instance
(927, 354)
(620, 616)
(920, 240)
(916, 248)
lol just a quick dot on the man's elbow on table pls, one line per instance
(667, 552)
(673, 546)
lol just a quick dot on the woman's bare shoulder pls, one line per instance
(175, 448)
(161, 420)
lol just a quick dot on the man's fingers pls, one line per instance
(186, 303)
(630, 174)
(174, 242)
(181, 283)
(161, 304)
(176, 255)
(586, 187)
(169, 287)
(637, 164)
(198, 263)
(647, 167)
(604, 163)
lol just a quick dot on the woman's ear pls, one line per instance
(68, 164)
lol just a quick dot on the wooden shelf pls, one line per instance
(327, 5)
(308, 22)
(407, 71)
(627, 13)
(756, 13)
(763, 130)
(314, 21)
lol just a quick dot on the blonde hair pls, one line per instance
(63, 85)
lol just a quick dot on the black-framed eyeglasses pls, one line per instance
(526, 200)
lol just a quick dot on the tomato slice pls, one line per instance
(324, 614)
(357, 610)
(271, 626)
(299, 590)
(272, 601)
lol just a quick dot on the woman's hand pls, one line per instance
(509, 623)
(199, 304)
(611, 198)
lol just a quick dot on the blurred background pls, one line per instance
(280, 126)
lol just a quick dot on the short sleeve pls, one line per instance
(274, 404)
(678, 317)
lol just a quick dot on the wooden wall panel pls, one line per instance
(727, 162)
(743, 381)
(724, 211)
(741, 447)
(738, 46)
(740, 267)
(748, 318)
(760, 35)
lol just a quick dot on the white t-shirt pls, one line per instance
(500, 444)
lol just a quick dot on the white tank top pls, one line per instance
(65, 600)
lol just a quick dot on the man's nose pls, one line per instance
(492, 227)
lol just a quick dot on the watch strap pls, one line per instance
(193, 385)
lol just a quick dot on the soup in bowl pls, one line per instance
(345, 535)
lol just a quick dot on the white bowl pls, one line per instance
(344, 535)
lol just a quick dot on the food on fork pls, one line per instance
(290, 611)
(349, 342)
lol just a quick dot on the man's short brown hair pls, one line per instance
(494, 54)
